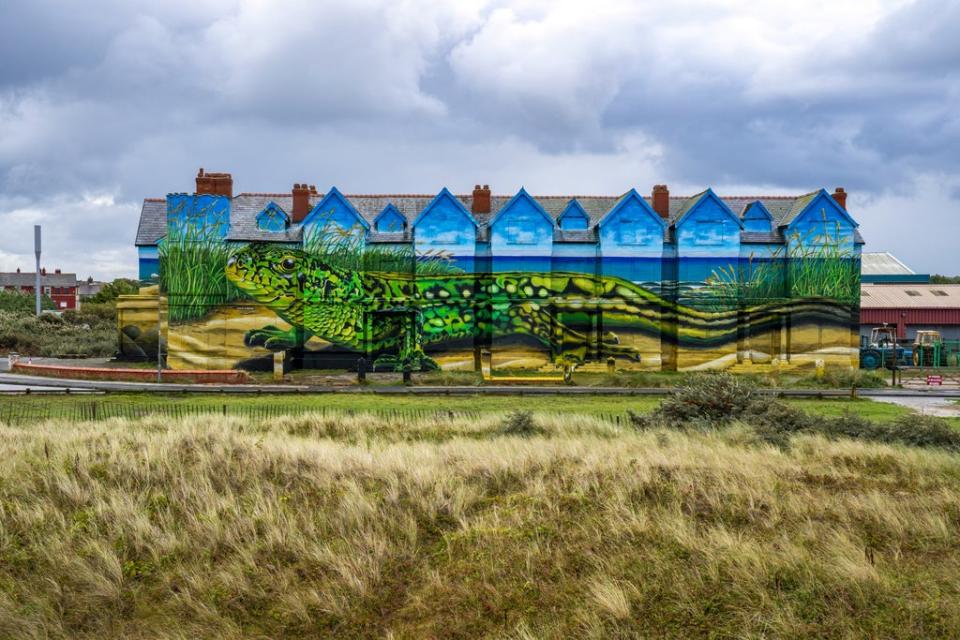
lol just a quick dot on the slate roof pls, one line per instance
(153, 222)
(46, 280)
(246, 206)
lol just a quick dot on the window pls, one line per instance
(865, 294)
(912, 293)
(709, 233)
(939, 292)
(631, 231)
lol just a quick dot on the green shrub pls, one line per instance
(72, 334)
(521, 423)
(111, 290)
(710, 398)
(24, 303)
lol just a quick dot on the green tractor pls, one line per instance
(928, 350)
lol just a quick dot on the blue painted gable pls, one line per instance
(708, 228)
(445, 225)
(757, 218)
(390, 220)
(334, 209)
(574, 218)
(822, 222)
(521, 227)
(631, 227)
(272, 218)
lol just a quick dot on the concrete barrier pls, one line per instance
(130, 375)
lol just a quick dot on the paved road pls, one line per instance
(928, 406)
(17, 380)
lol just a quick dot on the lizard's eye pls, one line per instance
(288, 264)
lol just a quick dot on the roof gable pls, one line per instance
(390, 220)
(272, 218)
(757, 218)
(522, 196)
(756, 210)
(699, 200)
(812, 201)
(631, 199)
(574, 217)
(334, 203)
(441, 198)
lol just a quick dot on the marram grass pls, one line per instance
(354, 526)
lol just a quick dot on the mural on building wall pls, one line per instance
(702, 288)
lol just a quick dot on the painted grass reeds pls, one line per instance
(193, 259)
(347, 249)
(357, 526)
(817, 264)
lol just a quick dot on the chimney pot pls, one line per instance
(57, 271)
(840, 195)
(43, 271)
(481, 199)
(18, 269)
(661, 200)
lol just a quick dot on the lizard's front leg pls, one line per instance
(274, 338)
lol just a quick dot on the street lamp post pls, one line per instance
(36, 281)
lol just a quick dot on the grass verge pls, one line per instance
(355, 526)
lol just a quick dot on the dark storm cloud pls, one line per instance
(105, 104)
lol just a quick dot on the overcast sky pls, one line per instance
(105, 102)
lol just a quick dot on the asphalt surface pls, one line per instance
(15, 382)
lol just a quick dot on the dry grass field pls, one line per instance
(357, 526)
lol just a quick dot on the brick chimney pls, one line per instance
(661, 200)
(481, 199)
(56, 271)
(218, 184)
(301, 202)
(841, 197)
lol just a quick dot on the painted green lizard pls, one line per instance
(370, 312)
(333, 305)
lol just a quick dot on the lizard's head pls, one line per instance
(272, 275)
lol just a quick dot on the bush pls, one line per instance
(716, 400)
(23, 303)
(111, 290)
(520, 423)
(72, 334)
(712, 399)
(846, 378)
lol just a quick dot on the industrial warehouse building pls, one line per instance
(656, 282)
(894, 294)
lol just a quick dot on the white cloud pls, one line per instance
(125, 100)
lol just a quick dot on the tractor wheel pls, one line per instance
(870, 359)
(917, 357)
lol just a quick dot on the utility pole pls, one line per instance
(36, 250)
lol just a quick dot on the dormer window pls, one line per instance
(272, 218)
(390, 220)
(574, 218)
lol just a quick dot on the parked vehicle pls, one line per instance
(884, 350)
(928, 350)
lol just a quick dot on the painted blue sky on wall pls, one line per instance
(120, 102)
